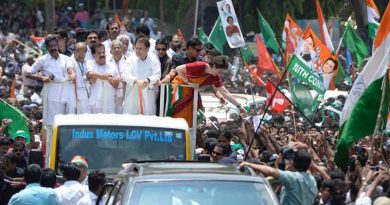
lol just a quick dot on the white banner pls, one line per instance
(230, 24)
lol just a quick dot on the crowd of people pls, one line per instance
(103, 66)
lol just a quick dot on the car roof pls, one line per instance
(120, 120)
(187, 171)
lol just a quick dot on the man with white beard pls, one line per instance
(140, 78)
(120, 64)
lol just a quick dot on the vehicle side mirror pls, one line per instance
(106, 189)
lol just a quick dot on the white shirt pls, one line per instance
(88, 55)
(102, 93)
(48, 66)
(28, 81)
(141, 70)
(71, 192)
(120, 66)
(107, 46)
(89, 199)
(81, 77)
(170, 53)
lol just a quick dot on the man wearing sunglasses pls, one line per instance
(165, 61)
(193, 49)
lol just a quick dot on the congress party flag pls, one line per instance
(373, 18)
(313, 63)
(291, 37)
(362, 107)
(325, 37)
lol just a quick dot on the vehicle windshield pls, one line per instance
(109, 147)
(201, 193)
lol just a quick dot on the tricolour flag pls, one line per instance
(363, 104)
(356, 45)
(217, 36)
(40, 42)
(279, 102)
(268, 33)
(373, 18)
(325, 37)
(174, 94)
(19, 120)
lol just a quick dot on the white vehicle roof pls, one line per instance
(120, 120)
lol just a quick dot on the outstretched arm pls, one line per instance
(264, 169)
(227, 95)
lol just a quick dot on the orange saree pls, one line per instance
(195, 74)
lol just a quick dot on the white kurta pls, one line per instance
(140, 70)
(102, 98)
(107, 47)
(120, 66)
(81, 99)
(88, 55)
(53, 93)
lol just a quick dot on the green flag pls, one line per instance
(217, 36)
(19, 120)
(356, 45)
(302, 98)
(246, 53)
(268, 33)
(362, 106)
(362, 120)
(202, 36)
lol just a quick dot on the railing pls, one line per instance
(194, 113)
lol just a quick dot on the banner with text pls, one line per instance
(300, 70)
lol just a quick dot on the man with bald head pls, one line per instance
(77, 70)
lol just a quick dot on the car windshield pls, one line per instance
(111, 146)
(201, 193)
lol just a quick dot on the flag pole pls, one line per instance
(293, 113)
(265, 112)
(379, 116)
(342, 37)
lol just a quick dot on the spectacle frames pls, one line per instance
(18, 150)
(161, 49)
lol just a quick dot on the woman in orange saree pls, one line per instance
(199, 74)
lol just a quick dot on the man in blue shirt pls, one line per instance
(299, 186)
(34, 194)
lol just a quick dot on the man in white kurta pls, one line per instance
(119, 62)
(92, 38)
(104, 80)
(52, 71)
(140, 78)
(77, 69)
